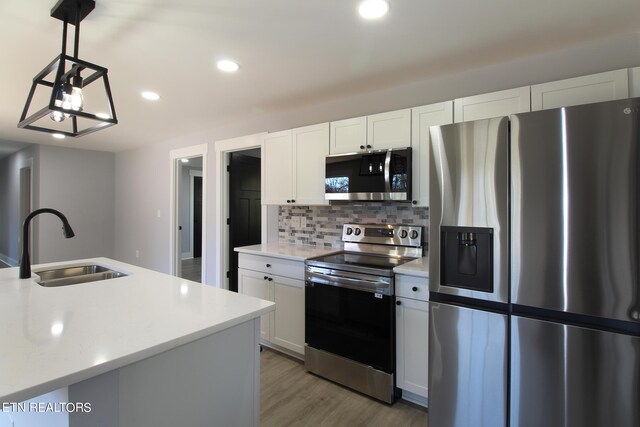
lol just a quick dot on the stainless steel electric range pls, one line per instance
(350, 307)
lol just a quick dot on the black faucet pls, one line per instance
(25, 264)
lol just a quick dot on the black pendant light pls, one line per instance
(77, 103)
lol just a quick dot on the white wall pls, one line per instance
(142, 175)
(80, 184)
(10, 221)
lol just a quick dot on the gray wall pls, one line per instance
(10, 221)
(185, 207)
(80, 184)
(142, 175)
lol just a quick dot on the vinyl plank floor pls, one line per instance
(192, 269)
(290, 396)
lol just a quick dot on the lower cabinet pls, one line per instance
(283, 328)
(412, 329)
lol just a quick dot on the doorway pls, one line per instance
(188, 213)
(244, 206)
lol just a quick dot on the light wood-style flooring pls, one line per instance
(290, 396)
(192, 269)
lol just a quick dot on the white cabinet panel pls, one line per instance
(348, 136)
(634, 82)
(412, 287)
(421, 119)
(287, 327)
(493, 104)
(412, 320)
(389, 130)
(600, 87)
(310, 147)
(254, 283)
(277, 168)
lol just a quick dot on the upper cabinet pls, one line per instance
(492, 104)
(634, 82)
(375, 132)
(293, 166)
(421, 119)
(600, 87)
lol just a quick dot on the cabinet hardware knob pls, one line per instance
(293, 201)
(362, 147)
(266, 277)
(415, 289)
(270, 279)
(288, 201)
(268, 265)
(368, 146)
(398, 303)
(414, 202)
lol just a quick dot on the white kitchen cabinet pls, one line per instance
(421, 119)
(599, 87)
(412, 326)
(634, 82)
(277, 168)
(310, 147)
(495, 104)
(348, 136)
(281, 281)
(375, 132)
(389, 130)
(255, 284)
(293, 166)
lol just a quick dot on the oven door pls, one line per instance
(351, 317)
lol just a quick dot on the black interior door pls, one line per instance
(244, 208)
(197, 216)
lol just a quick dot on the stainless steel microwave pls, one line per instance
(374, 175)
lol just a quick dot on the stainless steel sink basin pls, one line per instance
(78, 274)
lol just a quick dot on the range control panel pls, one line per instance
(389, 234)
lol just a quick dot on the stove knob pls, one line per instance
(414, 234)
(403, 234)
(357, 232)
(349, 231)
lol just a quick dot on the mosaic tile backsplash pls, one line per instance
(322, 225)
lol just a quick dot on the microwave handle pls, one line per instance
(387, 172)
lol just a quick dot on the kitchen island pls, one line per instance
(144, 349)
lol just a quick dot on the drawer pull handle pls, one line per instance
(268, 265)
(415, 289)
(266, 277)
(270, 279)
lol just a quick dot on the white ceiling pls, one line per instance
(293, 53)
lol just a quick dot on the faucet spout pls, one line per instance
(25, 263)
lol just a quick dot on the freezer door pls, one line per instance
(575, 214)
(469, 190)
(467, 367)
(567, 376)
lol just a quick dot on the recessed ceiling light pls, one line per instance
(227, 66)
(151, 96)
(58, 136)
(373, 9)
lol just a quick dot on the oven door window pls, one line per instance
(354, 324)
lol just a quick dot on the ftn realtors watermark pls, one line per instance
(43, 407)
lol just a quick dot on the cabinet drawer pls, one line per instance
(271, 265)
(412, 287)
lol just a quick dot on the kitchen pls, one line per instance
(140, 180)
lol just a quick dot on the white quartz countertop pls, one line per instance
(54, 337)
(418, 267)
(287, 251)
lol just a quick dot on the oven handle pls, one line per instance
(346, 282)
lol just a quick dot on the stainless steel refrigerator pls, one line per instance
(575, 265)
(556, 343)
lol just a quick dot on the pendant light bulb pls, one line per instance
(77, 99)
(58, 116)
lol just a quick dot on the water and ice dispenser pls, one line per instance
(466, 257)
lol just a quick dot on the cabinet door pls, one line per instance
(277, 167)
(493, 104)
(600, 87)
(287, 322)
(310, 147)
(348, 136)
(253, 283)
(634, 82)
(412, 326)
(389, 130)
(422, 118)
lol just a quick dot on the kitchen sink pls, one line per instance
(77, 274)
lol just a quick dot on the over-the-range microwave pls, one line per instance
(372, 175)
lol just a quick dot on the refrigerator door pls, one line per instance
(469, 189)
(575, 215)
(567, 376)
(467, 367)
